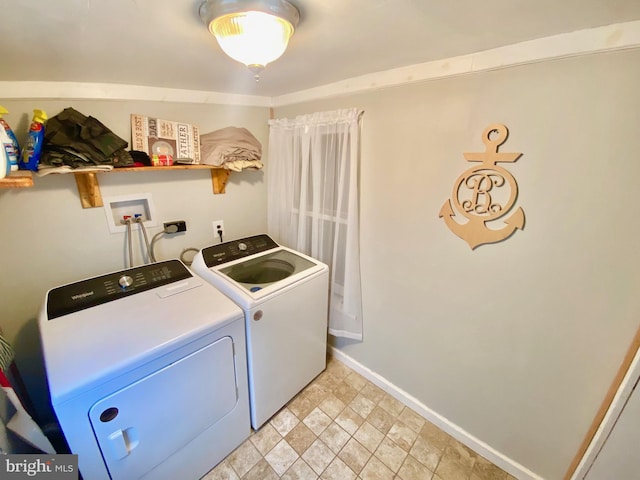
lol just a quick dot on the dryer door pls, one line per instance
(146, 422)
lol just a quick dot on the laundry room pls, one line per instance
(511, 347)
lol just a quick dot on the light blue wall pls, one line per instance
(516, 342)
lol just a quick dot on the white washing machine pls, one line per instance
(147, 372)
(284, 295)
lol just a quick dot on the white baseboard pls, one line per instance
(478, 446)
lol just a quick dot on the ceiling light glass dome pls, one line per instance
(254, 33)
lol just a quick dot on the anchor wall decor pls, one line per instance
(485, 193)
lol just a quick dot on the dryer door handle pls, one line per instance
(122, 442)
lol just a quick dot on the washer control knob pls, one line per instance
(258, 315)
(125, 281)
(242, 246)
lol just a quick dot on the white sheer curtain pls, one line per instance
(312, 180)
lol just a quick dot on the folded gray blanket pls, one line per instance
(232, 148)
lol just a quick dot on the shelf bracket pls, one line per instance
(91, 197)
(219, 177)
(88, 189)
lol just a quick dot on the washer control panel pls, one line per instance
(113, 286)
(229, 251)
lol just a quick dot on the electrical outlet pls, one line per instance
(218, 230)
(181, 226)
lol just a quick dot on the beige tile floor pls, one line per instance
(343, 427)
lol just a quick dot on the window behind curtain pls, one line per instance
(313, 202)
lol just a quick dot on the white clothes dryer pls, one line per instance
(147, 373)
(284, 295)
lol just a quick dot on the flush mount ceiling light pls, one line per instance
(253, 32)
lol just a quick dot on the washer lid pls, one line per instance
(259, 272)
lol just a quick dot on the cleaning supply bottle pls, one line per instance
(14, 148)
(35, 138)
(4, 158)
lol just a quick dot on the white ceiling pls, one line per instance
(163, 43)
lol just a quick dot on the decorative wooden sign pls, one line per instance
(485, 193)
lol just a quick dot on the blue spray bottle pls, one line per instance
(35, 138)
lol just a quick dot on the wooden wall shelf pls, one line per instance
(89, 187)
(19, 179)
